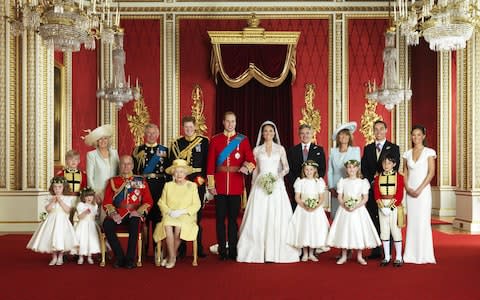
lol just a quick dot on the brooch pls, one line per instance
(237, 155)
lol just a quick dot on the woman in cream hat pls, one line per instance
(179, 205)
(102, 163)
(344, 151)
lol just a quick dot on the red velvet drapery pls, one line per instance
(253, 102)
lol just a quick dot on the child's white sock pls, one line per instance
(386, 250)
(398, 250)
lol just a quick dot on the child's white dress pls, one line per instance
(308, 228)
(353, 230)
(56, 233)
(86, 230)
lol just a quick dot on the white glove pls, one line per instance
(177, 213)
(385, 211)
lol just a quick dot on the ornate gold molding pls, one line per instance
(197, 110)
(311, 116)
(4, 120)
(444, 126)
(138, 120)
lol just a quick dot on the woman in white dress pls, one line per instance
(343, 152)
(265, 223)
(102, 163)
(419, 169)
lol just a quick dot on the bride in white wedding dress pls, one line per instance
(265, 222)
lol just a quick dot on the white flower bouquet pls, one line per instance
(311, 202)
(267, 182)
(350, 203)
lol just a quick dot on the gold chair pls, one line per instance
(158, 254)
(122, 232)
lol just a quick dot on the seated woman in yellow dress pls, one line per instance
(179, 204)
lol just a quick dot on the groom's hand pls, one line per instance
(244, 170)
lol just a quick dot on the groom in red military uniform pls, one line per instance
(127, 201)
(230, 157)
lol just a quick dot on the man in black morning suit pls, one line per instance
(372, 165)
(306, 150)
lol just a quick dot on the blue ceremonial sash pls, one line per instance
(229, 148)
(153, 161)
(119, 196)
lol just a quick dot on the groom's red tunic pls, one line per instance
(226, 177)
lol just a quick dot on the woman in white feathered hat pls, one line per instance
(102, 163)
(343, 152)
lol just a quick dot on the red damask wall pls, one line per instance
(143, 48)
(424, 89)
(84, 101)
(312, 63)
(366, 41)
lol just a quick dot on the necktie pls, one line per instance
(305, 153)
(379, 149)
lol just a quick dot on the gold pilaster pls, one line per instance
(67, 62)
(3, 104)
(468, 145)
(340, 66)
(170, 107)
(443, 195)
(401, 116)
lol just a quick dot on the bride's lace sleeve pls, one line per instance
(284, 168)
(255, 171)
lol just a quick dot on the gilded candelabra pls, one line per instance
(311, 116)
(369, 117)
(198, 106)
(139, 119)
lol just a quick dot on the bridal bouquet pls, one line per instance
(311, 202)
(351, 202)
(267, 182)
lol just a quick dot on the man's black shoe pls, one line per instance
(130, 265)
(119, 263)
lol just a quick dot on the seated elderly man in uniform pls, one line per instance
(127, 201)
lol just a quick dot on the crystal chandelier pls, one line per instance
(118, 90)
(66, 24)
(390, 93)
(445, 24)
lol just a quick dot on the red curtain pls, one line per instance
(255, 103)
(270, 59)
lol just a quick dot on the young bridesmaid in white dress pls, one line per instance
(56, 234)
(86, 229)
(309, 225)
(419, 168)
(352, 227)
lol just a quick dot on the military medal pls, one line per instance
(237, 155)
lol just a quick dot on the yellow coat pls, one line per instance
(179, 196)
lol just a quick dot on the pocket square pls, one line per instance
(388, 147)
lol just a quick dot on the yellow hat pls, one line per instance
(93, 136)
(179, 163)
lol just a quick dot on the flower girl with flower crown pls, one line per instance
(352, 227)
(55, 234)
(309, 225)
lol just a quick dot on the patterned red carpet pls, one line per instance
(26, 275)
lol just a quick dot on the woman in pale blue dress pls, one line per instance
(344, 151)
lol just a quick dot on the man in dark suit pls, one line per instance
(372, 165)
(298, 154)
